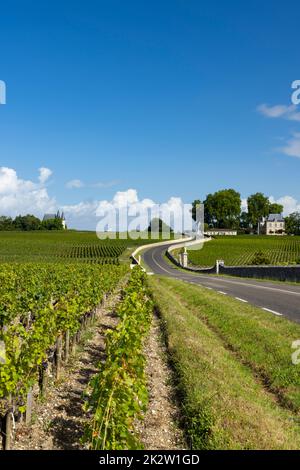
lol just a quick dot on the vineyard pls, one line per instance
(42, 310)
(103, 253)
(51, 287)
(69, 246)
(58, 289)
(119, 392)
(242, 250)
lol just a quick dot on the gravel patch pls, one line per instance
(159, 429)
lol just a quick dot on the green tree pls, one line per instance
(244, 220)
(52, 224)
(6, 223)
(258, 207)
(195, 204)
(27, 222)
(292, 224)
(159, 226)
(275, 208)
(223, 208)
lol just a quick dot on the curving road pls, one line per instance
(279, 299)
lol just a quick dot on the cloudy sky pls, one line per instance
(146, 101)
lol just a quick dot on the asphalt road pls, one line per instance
(277, 298)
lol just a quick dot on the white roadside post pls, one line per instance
(185, 258)
(219, 263)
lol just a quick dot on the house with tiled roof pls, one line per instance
(274, 225)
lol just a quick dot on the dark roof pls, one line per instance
(275, 218)
(221, 230)
(49, 216)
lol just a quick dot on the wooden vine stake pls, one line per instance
(43, 377)
(73, 347)
(8, 431)
(29, 403)
(94, 315)
(78, 336)
(67, 345)
(8, 426)
(58, 356)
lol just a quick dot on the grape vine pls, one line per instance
(117, 395)
(39, 302)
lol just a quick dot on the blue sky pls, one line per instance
(162, 97)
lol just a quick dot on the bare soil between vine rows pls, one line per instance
(58, 420)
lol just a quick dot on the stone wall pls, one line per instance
(277, 273)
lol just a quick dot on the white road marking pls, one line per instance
(272, 311)
(254, 286)
(157, 264)
(241, 300)
(245, 284)
(221, 292)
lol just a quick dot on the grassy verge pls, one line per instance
(224, 405)
(258, 338)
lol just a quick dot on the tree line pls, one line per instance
(29, 222)
(223, 209)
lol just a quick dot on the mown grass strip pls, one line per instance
(223, 405)
(260, 339)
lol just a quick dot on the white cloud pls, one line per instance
(45, 174)
(125, 198)
(244, 205)
(18, 196)
(289, 203)
(107, 184)
(292, 148)
(280, 111)
(74, 184)
(88, 214)
(77, 183)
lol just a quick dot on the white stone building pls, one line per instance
(56, 216)
(213, 232)
(274, 225)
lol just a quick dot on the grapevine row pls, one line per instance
(118, 393)
(40, 303)
(238, 251)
